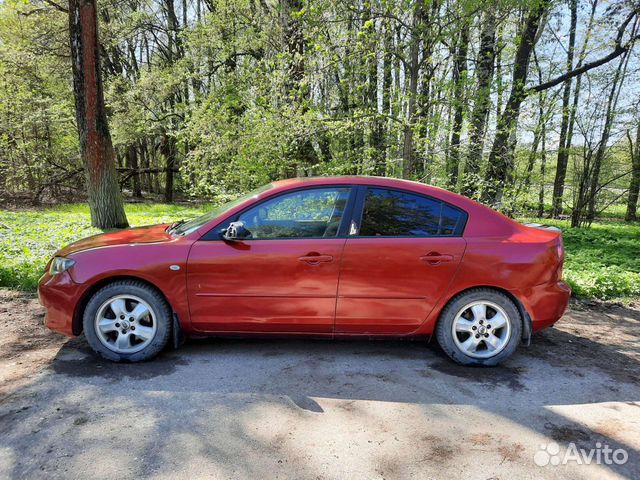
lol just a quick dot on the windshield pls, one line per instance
(192, 225)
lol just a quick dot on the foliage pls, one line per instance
(38, 141)
(601, 262)
(231, 94)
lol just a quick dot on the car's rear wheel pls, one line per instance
(479, 327)
(127, 321)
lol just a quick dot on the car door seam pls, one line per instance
(335, 306)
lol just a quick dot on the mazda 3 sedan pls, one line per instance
(328, 257)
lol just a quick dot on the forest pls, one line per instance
(531, 107)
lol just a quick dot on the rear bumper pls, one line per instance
(59, 294)
(545, 303)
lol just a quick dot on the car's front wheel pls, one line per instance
(127, 321)
(479, 327)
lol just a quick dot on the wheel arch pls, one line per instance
(90, 291)
(526, 318)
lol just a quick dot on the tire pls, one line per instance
(127, 321)
(479, 346)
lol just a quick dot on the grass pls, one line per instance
(28, 238)
(601, 262)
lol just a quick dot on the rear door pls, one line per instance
(401, 254)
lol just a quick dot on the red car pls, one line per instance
(330, 257)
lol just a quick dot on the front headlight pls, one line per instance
(60, 264)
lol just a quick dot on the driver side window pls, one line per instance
(312, 213)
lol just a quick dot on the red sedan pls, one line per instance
(330, 257)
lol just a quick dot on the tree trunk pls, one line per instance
(169, 152)
(539, 131)
(634, 186)
(581, 193)
(563, 145)
(294, 43)
(147, 184)
(533, 153)
(376, 129)
(558, 183)
(543, 166)
(612, 103)
(387, 66)
(477, 127)
(500, 165)
(588, 184)
(96, 149)
(132, 163)
(459, 79)
(498, 68)
(408, 153)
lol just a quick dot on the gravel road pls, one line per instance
(319, 409)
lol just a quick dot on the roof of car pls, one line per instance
(354, 179)
(372, 180)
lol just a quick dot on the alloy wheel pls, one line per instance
(125, 324)
(481, 329)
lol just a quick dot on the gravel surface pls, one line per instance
(318, 409)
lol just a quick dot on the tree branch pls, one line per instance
(57, 6)
(617, 51)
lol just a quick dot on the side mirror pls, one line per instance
(236, 231)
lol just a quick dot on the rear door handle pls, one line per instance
(434, 258)
(316, 259)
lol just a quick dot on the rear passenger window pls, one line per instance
(450, 220)
(392, 213)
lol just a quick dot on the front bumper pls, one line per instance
(59, 294)
(545, 303)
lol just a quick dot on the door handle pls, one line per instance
(434, 258)
(316, 259)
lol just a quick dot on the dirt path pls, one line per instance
(317, 409)
(26, 347)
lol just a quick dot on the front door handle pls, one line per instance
(435, 258)
(316, 259)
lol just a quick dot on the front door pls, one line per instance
(401, 257)
(283, 277)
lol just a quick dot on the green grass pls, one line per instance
(617, 210)
(601, 262)
(28, 238)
